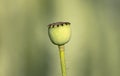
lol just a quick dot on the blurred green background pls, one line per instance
(25, 48)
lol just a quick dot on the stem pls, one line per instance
(62, 59)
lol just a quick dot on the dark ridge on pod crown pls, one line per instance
(58, 24)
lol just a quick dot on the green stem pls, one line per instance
(62, 60)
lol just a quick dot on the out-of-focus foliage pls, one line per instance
(25, 49)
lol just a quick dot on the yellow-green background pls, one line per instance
(25, 48)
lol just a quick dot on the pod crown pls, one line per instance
(58, 24)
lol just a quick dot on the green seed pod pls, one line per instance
(59, 32)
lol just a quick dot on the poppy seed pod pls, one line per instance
(59, 32)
